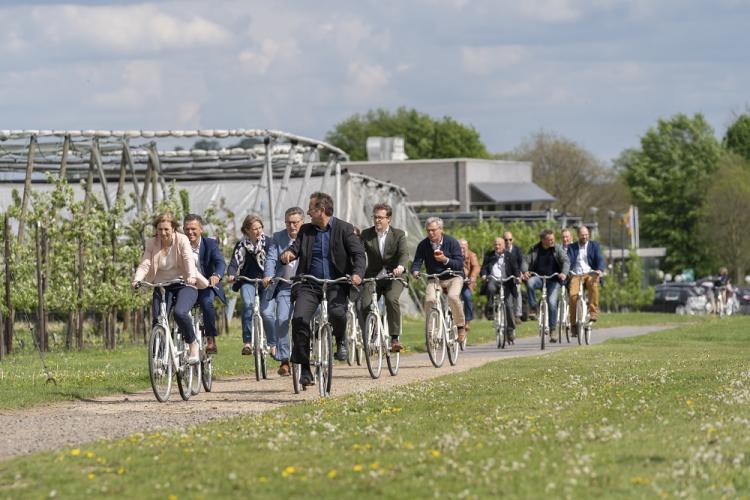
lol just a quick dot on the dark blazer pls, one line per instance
(346, 250)
(594, 255)
(511, 269)
(517, 255)
(212, 262)
(451, 249)
(395, 251)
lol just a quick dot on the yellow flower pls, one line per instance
(332, 473)
(90, 454)
(375, 465)
(435, 453)
(689, 402)
(91, 476)
(121, 471)
(357, 468)
(75, 452)
(288, 471)
(172, 497)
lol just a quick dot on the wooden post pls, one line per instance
(64, 160)
(136, 189)
(79, 301)
(121, 179)
(284, 189)
(303, 187)
(154, 155)
(39, 290)
(26, 189)
(269, 177)
(45, 285)
(97, 157)
(71, 326)
(146, 184)
(10, 317)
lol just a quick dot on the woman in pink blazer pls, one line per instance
(168, 256)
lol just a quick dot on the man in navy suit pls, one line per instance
(517, 256)
(210, 263)
(585, 256)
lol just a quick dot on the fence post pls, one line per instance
(10, 317)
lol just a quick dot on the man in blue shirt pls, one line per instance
(327, 248)
(440, 252)
(585, 256)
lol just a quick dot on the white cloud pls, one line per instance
(270, 51)
(366, 80)
(551, 11)
(128, 29)
(488, 60)
(140, 81)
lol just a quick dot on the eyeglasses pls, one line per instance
(508, 239)
(295, 222)
(380, 217)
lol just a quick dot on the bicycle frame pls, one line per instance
(446, 325)
(583, 319)
(543, 319)
(500, 327)
(378, 341)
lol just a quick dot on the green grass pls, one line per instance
(96, 371)
(660, 415)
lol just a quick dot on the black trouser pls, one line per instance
(307, 297)
(492, 290)
(391, 289)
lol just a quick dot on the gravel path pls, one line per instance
(73, 423)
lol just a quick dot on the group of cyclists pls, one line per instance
(329, 248)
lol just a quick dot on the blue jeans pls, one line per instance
(206, 302)
(183, 298)
(468, 299)
(248, 296)
(553, 294)
(279, 311)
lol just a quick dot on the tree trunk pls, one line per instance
(9, 318)
(79, 302)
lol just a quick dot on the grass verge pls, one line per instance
(659, 415)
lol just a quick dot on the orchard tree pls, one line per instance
(668, 178)
(737, 138)
(424, 136)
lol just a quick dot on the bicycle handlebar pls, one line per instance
(543, 277)
(590, 273)
(309, 277)
(447, 272)
(387, 277)
(252, 281)
(491, 277)
(176, 281)
(282, 280)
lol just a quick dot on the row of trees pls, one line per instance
(688, 185)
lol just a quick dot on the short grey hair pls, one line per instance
(432, 220)
(294, 211)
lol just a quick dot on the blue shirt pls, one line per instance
(321, 265)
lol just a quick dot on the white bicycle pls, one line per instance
(583, 319)
(441, 333)
(377, 335)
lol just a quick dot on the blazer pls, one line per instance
(594, 255)
(345, 249)
(395, 252)
(149, 265)
(274, 267)
(563, 263)
(451, 249)
(471, 268)
(212, 262)
(517, 255)
(511, 269)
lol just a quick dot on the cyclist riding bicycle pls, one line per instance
(327, 248)
(585, 256)
(500, 264)
(168, 256)
(471, 271)
(386, 251)
(440, 252)
(722, 285)
(545, 258)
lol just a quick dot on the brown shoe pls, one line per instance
(461, 334)
(593, 317)
(247, 350)
(395, 345)
(284, 370)
(211, 345)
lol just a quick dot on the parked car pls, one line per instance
(743, 296)
(681, 298)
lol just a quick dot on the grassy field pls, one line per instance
(663, 415)
(95, 371)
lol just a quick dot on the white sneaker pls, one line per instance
(194, 358)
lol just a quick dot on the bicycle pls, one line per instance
(206, 364)
(321, 352)
(167, 353)
(543, 317)
(500, 323)
(563, 314)
(441, 334)
(259, 343)
(377, 334)
(583, 319)
(354, 344)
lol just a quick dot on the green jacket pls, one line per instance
(395, 253)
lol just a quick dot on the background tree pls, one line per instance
(737, 138)
(728, 214)
(668, 179)
(424, 136)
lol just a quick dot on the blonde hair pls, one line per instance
(249, 221)
(166, 217)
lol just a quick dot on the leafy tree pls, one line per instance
(424, 136)
(668, 178)
(728, 214)
(737, 138)
(630, 294)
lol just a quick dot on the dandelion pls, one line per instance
(121, 471)
(435, 453)
(90, 454)
(332, 473)
(357, 468)
(75, 452)
(689, 402)
(172, 497)
(288, 471)
(91, 476)
(375, 466)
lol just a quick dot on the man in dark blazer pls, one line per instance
(327, 248)
(501, 264)
(517, 254)
(585, 256)
(386, 251)
(210, 263)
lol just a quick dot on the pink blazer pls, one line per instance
(150, 261)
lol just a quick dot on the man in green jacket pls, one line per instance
(386, 251)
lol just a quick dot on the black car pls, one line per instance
(669, 296)
(743, 295)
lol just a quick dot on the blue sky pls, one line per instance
(599, 72)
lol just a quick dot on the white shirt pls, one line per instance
(498, 269)
(196, 255)
(291, 268)
(582, 263)
(381, 240)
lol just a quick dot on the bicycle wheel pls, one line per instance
(393, 359)
(373, 346)
(184, 370)
(543, 322)
(580, 320)
(434, 340)
(451, 341)
(159, 364)
(351, 340)
(207, 373)
(587, 333)
(259, 351)
(325, 366)
(195, 386)
(500, 326)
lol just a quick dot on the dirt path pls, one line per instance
(74, 423)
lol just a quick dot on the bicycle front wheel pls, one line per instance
(392, 358)
(351, 340)
(373, 346)
(259, 351)
(325, 365)
(434, 340)
(500, 326)
(543, 323)
(159, 364)
(452, 343)
(207, 373)
(580, 320)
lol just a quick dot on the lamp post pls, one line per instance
(611, 215)
(622, 247)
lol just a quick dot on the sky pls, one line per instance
(598, 72)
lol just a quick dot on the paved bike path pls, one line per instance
(75, 423)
